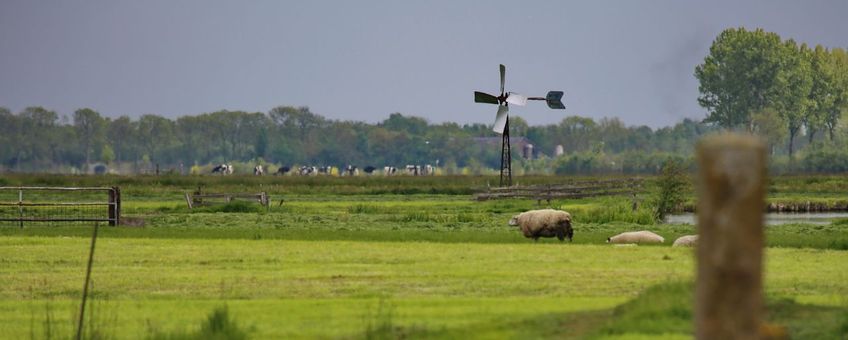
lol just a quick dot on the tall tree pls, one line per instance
(121, 135)
(41, 122)
(738, 75)
(9, 125)
(821, 96)
(792, 88)
(155, 134)
(89, 126)
(839, 70)
(410, 124)
(770, 126)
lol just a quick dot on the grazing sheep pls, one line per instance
(686, 241)
(544, 223)
(643, 236)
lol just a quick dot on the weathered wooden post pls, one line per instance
(731, 198)
(114, 206)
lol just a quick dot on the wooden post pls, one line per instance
(731, 198)
(188, 201)
(114, 206)
(21, 206)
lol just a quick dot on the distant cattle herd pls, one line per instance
(349, 170)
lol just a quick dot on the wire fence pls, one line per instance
(20, 206)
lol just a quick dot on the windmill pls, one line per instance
(554, 100)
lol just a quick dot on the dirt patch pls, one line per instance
(137, 222)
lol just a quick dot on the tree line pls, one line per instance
(39, 139)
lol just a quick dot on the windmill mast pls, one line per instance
(506, 158)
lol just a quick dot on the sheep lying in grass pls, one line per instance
(643, 236)
(686, 241)
(544, 223)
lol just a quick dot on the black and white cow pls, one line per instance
(307, 170)
(389, 171)
(258, 170)
(283, 170)
(223, 169)
(350, 170)
(412, 170)
(369, 169)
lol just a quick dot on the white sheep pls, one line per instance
(544, 223)
(643, 236)
(686, 241)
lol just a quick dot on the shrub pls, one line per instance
(671, 187)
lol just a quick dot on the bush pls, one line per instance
(825, 158)
(672, 185)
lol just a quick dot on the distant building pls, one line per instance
(527, 151)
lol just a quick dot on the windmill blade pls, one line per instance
(503, 78)
(516, 99)
(480, 97)
(554, 99)
(500, 119)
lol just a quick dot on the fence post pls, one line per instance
(188, 201)
(21, 206)
(731, 192)
(115, 206)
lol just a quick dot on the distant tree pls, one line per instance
(155, 134)
(576, 133)
(89, 126)
(614, 134)
(107, 155)
(770, 126)
(121, 135)
(838, 67)
(518, 126)
(297, 120)
(9, 125)
(738, 76)
(38, 135)
(792, 88)
(410, 124)
(671, 186)
(821, 95)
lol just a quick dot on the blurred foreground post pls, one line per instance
(731, 198)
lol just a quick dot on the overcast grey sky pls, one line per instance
(362, 60)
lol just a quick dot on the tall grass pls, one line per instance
(612, 210)
(219, 325)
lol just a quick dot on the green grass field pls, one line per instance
(366, 264)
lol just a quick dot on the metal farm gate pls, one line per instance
(19, 205)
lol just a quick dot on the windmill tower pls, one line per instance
(554, 100)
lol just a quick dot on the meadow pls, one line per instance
(389, 258)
